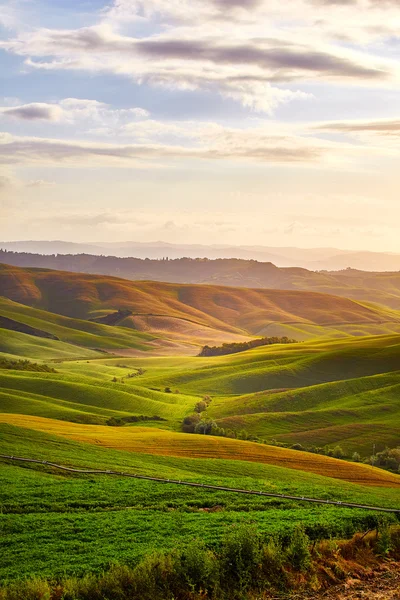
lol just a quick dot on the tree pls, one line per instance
(190, 422)
(338, 452)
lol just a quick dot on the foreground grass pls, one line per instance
(246, 564)
(52, 524)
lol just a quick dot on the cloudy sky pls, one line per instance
(212, 121)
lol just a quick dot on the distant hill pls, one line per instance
(381, 288)
(198, 313)
(308, 258)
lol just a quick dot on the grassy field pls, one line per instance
(53, 524)
(316, 393)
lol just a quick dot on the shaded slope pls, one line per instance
(382, 288)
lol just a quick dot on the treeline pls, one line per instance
(25, 365)
(388, 459)
(245, 564)
(233, 347)
(120, 421)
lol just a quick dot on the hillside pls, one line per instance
(196, 313)
(316, 393)
(382, 288)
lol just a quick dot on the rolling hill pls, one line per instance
(380, 287)
(314, 393)
(196, 313)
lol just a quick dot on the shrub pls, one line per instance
(240, 559)
(298, 551)
(33, 589)
(198, 568)
(338, 452)
(272, 558)
(384, 544)
(200, 406)
(297, 447)
(190, 422)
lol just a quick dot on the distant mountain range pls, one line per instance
(364, 286)
(315, 259)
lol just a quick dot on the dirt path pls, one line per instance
(382, 586)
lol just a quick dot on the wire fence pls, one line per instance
(205, 486)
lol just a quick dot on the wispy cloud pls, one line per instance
(247, 70)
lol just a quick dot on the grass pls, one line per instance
(54, 524)
(22, 345)
(311, 393)
(75, 331)
(74, 397)
(143, 440)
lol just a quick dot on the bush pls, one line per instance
(298, 551)
(240, 559)
(384, 544)
(338, 452)
(198, 568)
(272, 559)
(200, 406)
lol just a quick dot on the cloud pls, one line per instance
(387, 127)
(36, 111)
(74, 110)
(223, 144)
(5, 182)
(282, 62)
(40, 183)
(247, 70)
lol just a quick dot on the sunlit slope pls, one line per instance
(357, 413)
(20, 345)
(87, 399)
(165, 443)
(320, 394)
(283, 366)
(185, 310)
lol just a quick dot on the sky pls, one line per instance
(201, 121)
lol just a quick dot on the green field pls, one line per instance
(54, 524)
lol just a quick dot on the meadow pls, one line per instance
(54, 524)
